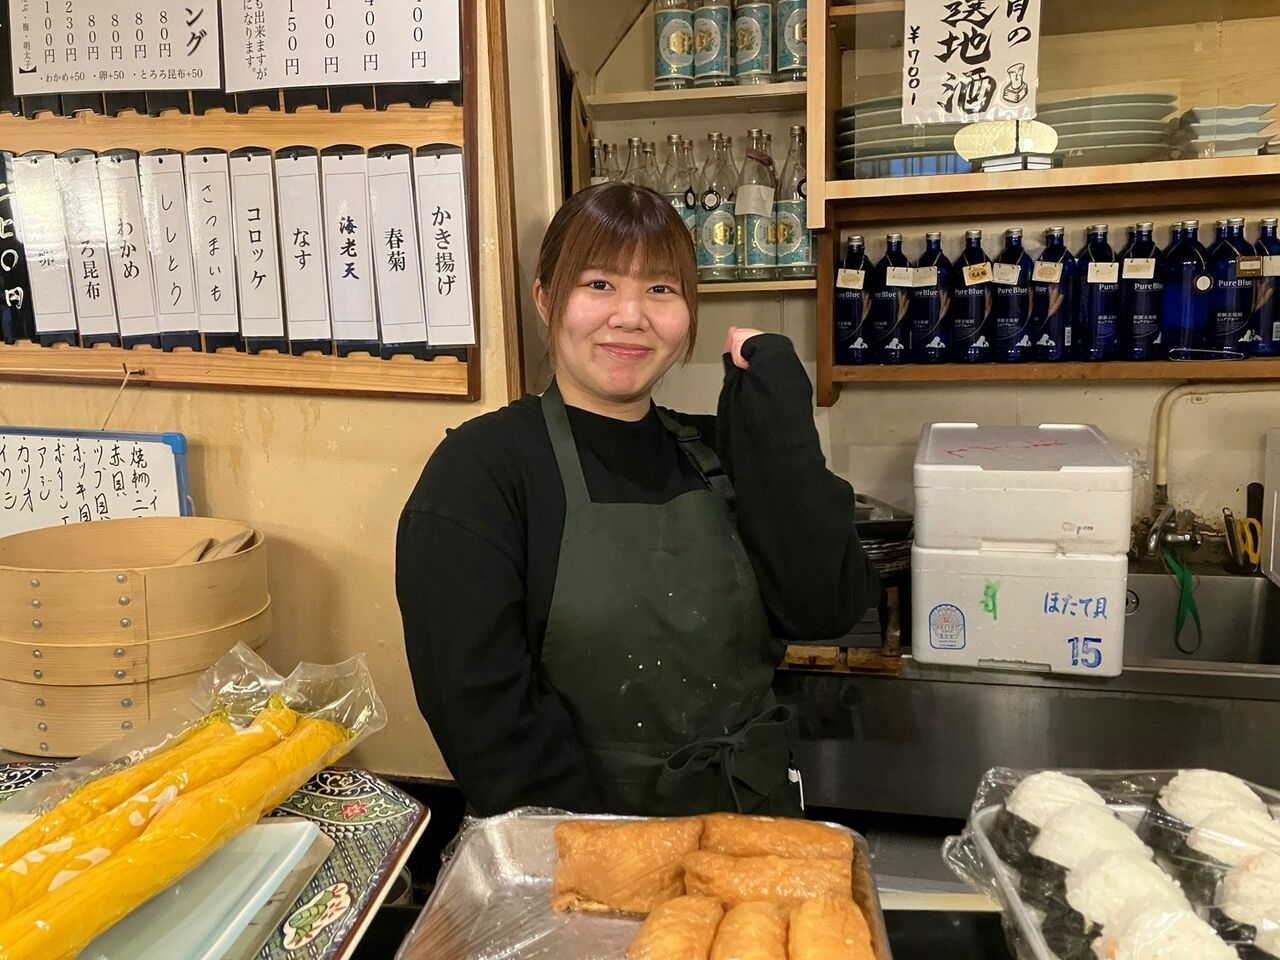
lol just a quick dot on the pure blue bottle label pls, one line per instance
(753, 40)
(852, 313)
(793, 34)
(711, 40)
(673, 44)
(795, 243)
(761, 241)
(1232, 306)
(717, 235)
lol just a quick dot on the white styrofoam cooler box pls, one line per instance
(1005, 609)
(1271, 507)
(1059, 485)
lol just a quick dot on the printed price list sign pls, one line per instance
(273, 44)
(71, 46)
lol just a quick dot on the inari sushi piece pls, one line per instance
(621, 866)
(1103, 893)
(735, 880)
(1161, 934)
(1029, 807)
(742, 836)
(1224, 839)
(752, 931)
(1247, 905)
(680, 929)
(1069, 839)
(827, 928)
(1185, 801)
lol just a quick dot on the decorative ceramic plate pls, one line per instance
(1120, 153)
(1244, 111)
(1110, 99)
(1114, 111)
(374, 828)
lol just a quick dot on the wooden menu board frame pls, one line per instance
(444, 377)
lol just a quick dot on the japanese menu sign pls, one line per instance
(273, 44)
(70, 46)
(970, 60)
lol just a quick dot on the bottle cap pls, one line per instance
(1099, 228)
(594, 141)
(1267, 222)
(755, 132)
(674, 138)
(634, 141)
(649, 147)
(1014, 232)
(714, 136)
(973, 234)
(856, 240)
(933, 235)
(797, 130)
(1236, 221)
(1145, 226)
(1190, 224)
(1054, 231)
(893, 238)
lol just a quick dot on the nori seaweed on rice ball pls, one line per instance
(1225, 838)
(1103, 892)
(1161, 934)
(1247, 907)
(1030, 805)
(1068, 840)
(1186, 800)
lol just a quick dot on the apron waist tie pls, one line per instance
(721, 752)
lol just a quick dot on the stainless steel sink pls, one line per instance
(1240, 617)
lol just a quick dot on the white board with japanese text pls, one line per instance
(53, 477)
(970, 60)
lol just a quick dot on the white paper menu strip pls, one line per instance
(39, 213)
(271, 44)
(127, 246)
(396, 253)
(257, 250)
(164, 200)
(95, 298)
(212, 236)
(306, 284)
(74, 46)
(346, 238)
(446, 262)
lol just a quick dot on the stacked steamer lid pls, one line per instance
(1021, 543)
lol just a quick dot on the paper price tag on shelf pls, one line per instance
(925, 277)
(397, 259)
(127, 244)
(754, 199)
(253, 203)
(852, 279)
(1249, 267)
(346, 209)
(1103, 273)
(1046, 272)
(95, 297)
(39, 210)
(446, 255)
(976, 273)
(1271, 266)
(164, 200)
(900, 277)
(213, 240)
(306, 281)
(1139, 268)
(1006, 274)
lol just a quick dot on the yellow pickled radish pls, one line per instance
(47, 867)
(180, 838)
(99, 796)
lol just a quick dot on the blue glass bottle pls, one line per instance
(1231, 300)
(1011, 300)
(1053, 297)
(854, 285)
(890, 326)
(930, 308)
(1266, 313)
(1098, 297)
(1187, 282)
(974, 332)
(1141, 297)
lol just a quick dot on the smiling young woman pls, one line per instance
(594, 589)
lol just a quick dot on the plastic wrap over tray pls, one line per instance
(1126, 864)
(493, 898)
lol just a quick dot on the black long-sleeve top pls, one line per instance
(479, 542)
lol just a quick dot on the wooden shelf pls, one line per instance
(1264, 369)
(878, 24)
(442, 378)
(757, 286)
(1226, 181)
(697, 102)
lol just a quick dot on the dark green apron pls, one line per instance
(657, 641)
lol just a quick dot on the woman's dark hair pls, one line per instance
(620, 228)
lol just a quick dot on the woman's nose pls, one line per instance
(628, 313)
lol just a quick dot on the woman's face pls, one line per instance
(619, 334)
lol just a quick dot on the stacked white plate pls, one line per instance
(1241, 130)
(872, 141)
(1114, 128)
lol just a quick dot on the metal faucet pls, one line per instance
(1158, 534)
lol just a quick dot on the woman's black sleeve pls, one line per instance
(505, 736)
(795, 516)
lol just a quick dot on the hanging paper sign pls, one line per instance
(442, 231)
(272, 44)
(970, 60)
(79, 46)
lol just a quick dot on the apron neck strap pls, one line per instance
(557, 419)
(704, 460)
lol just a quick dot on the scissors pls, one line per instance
(1249, 539)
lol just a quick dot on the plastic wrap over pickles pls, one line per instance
(1127, 865)
(118, 826)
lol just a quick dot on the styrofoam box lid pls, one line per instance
(1051, 456)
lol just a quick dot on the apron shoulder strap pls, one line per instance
(557, 420)
(704, 460)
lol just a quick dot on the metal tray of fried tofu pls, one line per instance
(492, 900)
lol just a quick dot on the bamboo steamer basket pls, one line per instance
(101, 629)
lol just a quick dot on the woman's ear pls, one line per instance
(540, 300)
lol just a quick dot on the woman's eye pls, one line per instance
(662, 288)
(598, 284)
